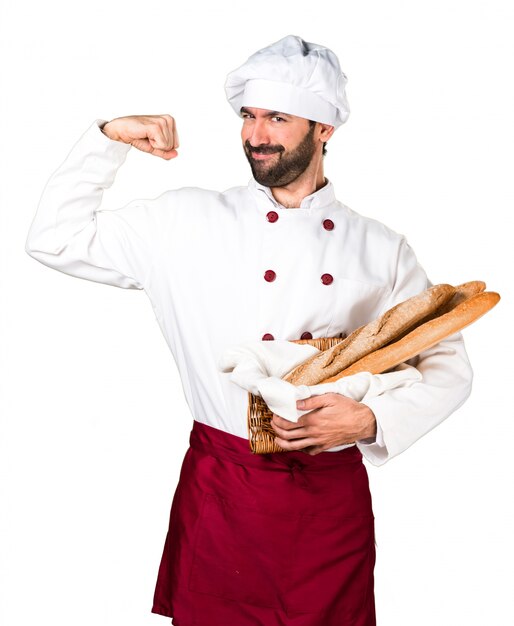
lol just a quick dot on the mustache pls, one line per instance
(263, 149)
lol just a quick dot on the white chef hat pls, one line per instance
(291, 76)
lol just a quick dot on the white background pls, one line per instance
(93, 420)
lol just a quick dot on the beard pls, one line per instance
(287, 167)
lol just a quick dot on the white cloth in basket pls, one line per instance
(258, 367)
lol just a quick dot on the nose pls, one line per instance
(259, 135)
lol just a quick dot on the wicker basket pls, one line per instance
(260, 431)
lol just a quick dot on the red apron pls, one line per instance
(282, 539)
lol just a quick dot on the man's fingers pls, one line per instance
(295, 444)
(176, 141)
(283, 423)
(166, 154)
(162, 137)
(145, 145)
(142, 144)
(171, 131)
(299, 435)
(315, 402)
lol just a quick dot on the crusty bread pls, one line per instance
(423, 337)
(462, 293)
(370, 337)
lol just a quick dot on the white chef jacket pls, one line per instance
(221, 268)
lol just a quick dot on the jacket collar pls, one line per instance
(317, 200)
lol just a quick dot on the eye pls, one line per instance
(246, 115)
(278, 118)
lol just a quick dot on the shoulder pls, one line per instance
(199, 196)
(188, 200)
(190, 207)
(379, 252)
(371, 229)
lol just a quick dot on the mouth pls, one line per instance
(261, 157)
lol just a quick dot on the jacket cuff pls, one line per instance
(374, 449)
(94, 133)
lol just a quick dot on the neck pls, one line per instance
(291, 196)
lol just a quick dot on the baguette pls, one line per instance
(462, 293)
(371, 336)
(423, 337)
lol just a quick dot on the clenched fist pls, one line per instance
(156, 134)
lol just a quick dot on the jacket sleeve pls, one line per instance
(405, 414)
(71, 233)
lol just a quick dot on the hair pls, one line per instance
(311, 123)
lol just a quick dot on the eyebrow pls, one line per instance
(270, 114)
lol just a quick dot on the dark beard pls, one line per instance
(287, 167)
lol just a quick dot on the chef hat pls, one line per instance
(291, 76)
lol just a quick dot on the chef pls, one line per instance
(284, 538)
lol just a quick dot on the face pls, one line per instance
(279, 147)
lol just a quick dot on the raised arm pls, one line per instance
(71, 233)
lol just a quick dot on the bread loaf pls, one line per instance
(423, 337)
(370, 337)
(462, 293)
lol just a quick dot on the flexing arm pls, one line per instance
(71, 233)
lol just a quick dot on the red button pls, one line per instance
(327, 279)
(268, 337)
(328, 224)
(306, 335)
(269, 275)
(272, 216)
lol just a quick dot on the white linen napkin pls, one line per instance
(258, 367)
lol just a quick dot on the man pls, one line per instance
(284, 538)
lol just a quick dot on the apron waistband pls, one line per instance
(217, 443)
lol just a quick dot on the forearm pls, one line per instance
(74, 192)
(405, 414)
(72, 234)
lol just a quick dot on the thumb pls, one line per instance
(147, 145)
(314, 402)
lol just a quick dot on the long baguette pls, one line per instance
(371, 336)
(462, 293)
(423, 337)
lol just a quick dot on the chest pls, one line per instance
(247, 277)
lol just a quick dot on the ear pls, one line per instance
(325, 131)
